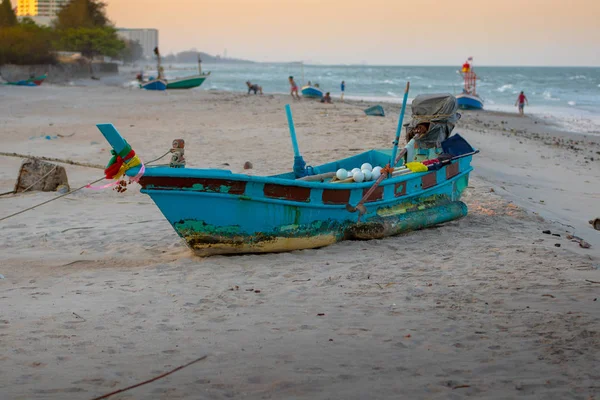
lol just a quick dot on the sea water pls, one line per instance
(569, 96)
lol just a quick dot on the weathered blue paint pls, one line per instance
(399, 127)
(219, 212)
(290, 119)
(312, 92)
(376, 111)
(157, 84)
(112, 136)
(469, 102)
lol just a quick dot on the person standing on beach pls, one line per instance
(294, 88)
(343, 87)
(521, 100)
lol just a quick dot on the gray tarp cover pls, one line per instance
(440, 111)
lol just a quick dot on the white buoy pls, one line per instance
(341, 174)
(378, 169)
(355, 170)
(366, 166)
(367, 173)
(376, 173)
(358, 176)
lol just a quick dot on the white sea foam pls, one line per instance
(572, 103)
(389, 82)
(503, 88)
(392, 94)
(577, 77)
(548, 96)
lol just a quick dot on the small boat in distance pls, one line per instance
(468, 99)
(312, 92)
(154, 84)
(189, 82)
(32, 81)
(375, 111)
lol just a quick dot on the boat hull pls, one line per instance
(37, 81)
(155, 85)
(312, 92)
(186, 83)
(225, 213)
(469, 102)
(375, 111)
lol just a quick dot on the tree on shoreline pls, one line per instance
(82, 26)
(7, 15)
(82, 14)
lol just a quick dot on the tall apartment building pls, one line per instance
(147, 38)
(41, 11)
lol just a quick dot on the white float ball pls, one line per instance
(341, 174)
(378, 169)
(358, 176)
(355, 170)
(376, 173)
(367, 174)
(366, 166)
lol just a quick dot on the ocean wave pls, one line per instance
(389, 82)
(504, 88)
(392, 94)
(571, 103)
(577, 77)
(548, 96)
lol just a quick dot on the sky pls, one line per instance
(377, 32)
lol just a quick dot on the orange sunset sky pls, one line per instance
(404, 32)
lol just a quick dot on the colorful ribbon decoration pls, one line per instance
(118, 165)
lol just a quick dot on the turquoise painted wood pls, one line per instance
(219, 212)
(399, 127)
(312, 92)
(469, 102)
(376, 111)
(157, 84)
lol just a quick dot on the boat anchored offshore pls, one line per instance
(221, 212)
(468, 99)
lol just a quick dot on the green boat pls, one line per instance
(187, 82)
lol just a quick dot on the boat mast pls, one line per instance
(470, 78)
(158, 66)
(199, 65)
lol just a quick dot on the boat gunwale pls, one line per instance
(228, 175)
(378, 203)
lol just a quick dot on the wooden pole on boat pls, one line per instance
(288, 112)
(399, 129)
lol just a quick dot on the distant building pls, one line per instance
(147, 38)
(41, 11)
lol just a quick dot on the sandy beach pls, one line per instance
(98, 292)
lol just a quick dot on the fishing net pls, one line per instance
(435, 115)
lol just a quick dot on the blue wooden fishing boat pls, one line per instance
(221, 212)
(312, 92)
(376, 111)
(154, 84)
(468, 99)
(469, 102)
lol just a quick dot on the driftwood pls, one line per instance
(58, 160)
